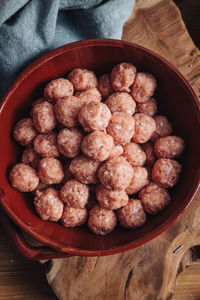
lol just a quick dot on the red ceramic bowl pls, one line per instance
(176, 100)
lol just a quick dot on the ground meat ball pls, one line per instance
(138, 180)
(74, 193)
(23, 178)
(117, 150)
(148, 107)
(166, 172)
(121, 102)
(111, 199)
(85, 169)
(144, 128)
(58, 89)
(73, 217)
(150, 157)
(46, 145)
(121, 127)
(43, 117)
(48, 204)
(123, 76)
(50, 171)
(91, 94)
(169, 147)
(154, 198)
(134, 154)
(143, 87)
(97, 145)
(101, 220)
(82, 79)
(116, 173)
(67, 110)
(163, 128)
(105, 86)
(24, 132)
(132, 215)
(30, 157)
(69, 142)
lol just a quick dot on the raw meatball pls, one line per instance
(97, 145)
(74, 193)
(82, 79)
(148, 107)
(67, 110)
(30, 157)
(169, 146)
(121, 127)
(46, 145)
(91, 94)
(94, 116)
(23, 178)
(24, 132)
(111, 199)
(73, 216)
(163, 128)
(121, 102)
(123, 76)
(150, 156)
(85, 169)
(132, 215)
(69, 142)
(48, 204)
(116, 173)
(101, 220)
(58, 89)
(166, 172)
(117, 150)
(143, 87)
(154, 198)
(50, 171)
(43, 117)
(144, 128)
(138, 180)
(105, 85)
(134, 154)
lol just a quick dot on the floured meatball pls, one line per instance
(94, 116)
(30, 157)
(132, 215)
(143, 87)
(48, 204)
(85, 169)
(43, 117)
(169, 147)
(148, 107)
(123, 76)
(163, 128)
(50, 171)
(74, 193)
(134, 154)
(23, 178)
(116, 173)
(166, 172)
(46, 145)
(150, 156)
(24, 132)
(154, 198)
(58, 89)
(69, 142)
(138, 180)
(117, 150)
(91, 94)
(67, 110)
(121, 127)
(144, 128)
(121, 102)
(105, 85)
(101, 220)
(73, 217)
(111, 199)
(82, 79)
(97, 145)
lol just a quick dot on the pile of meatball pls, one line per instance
(96, 150)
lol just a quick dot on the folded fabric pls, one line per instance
(29, 28)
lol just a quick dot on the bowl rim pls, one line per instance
(156, 231)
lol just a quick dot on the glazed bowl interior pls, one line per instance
(176, 100)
